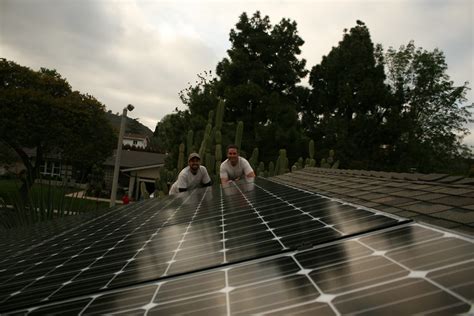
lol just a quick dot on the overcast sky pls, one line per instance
(145, 52)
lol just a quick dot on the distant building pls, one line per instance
(52, 167)
(135, 167)
(135, 140)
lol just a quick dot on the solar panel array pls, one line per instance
(248, 248)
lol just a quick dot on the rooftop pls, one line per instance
(436, 199)
(134, 159)
(315, 241)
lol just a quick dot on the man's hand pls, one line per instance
(251, 175)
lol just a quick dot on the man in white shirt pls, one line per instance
(235, 167)
(191, 177)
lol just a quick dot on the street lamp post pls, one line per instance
(118, 154)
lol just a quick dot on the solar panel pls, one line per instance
(176, 237)
(394, 271)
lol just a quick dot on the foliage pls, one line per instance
(238, 134)
(181, 156)
(169, 132)
(258, 81)
(413, 117)
(349, 99)
(44, 202)
(329, 162)
(39, 110)
(133, 125)
(96, 181)
(429, 119)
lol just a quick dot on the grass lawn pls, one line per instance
(45, 194)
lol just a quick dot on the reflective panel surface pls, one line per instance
(344, 277)
(238, 242)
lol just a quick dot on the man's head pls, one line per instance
(233, 154)
(194, 161)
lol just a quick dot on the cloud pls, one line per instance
(144, 52)
(107, 49)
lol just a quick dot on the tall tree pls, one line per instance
(171, 131)
(258, 82)
(430, 109)
(349, 100)
(200, 98)
(38, 110)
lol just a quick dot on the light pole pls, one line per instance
(118, 154)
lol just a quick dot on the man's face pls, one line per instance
(232, 155)
(193, 164)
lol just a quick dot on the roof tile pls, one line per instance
(451, 179)
(469, 207)
(433, 177)
(457, 215)
(426, 208)
(370, 196)
(421, 198)
(455, 191)
(465, 181)
(430, 196)
(386, 189)
(408, 193)
(392, 200)
(389, 209)
(396, 184)
(455, 200)
(407, 214)
(435, 221)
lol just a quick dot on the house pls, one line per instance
(53, 167)
(135, 167)
(135, 140)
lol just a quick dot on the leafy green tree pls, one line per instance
(430, 109)
(349, 100)
(38, 110)
(258, 80)
(171, 131)
(201, 98)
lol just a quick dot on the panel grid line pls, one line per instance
(354, 262)
(224, 250)
(261, 218)
(122, 209)
(302, 211)
(151, 238)
(423, 277)
(108, 250)
(69, 259)
(338, 200)
(186, 231)
(315, 285)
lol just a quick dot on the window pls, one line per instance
(52, 168)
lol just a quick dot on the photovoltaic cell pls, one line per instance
(365, 275)
(211, 228)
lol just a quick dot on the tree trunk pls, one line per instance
(28, 176)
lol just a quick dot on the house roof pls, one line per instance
(135, 159)
(135, 136)
(436, 199)
(52, 154)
